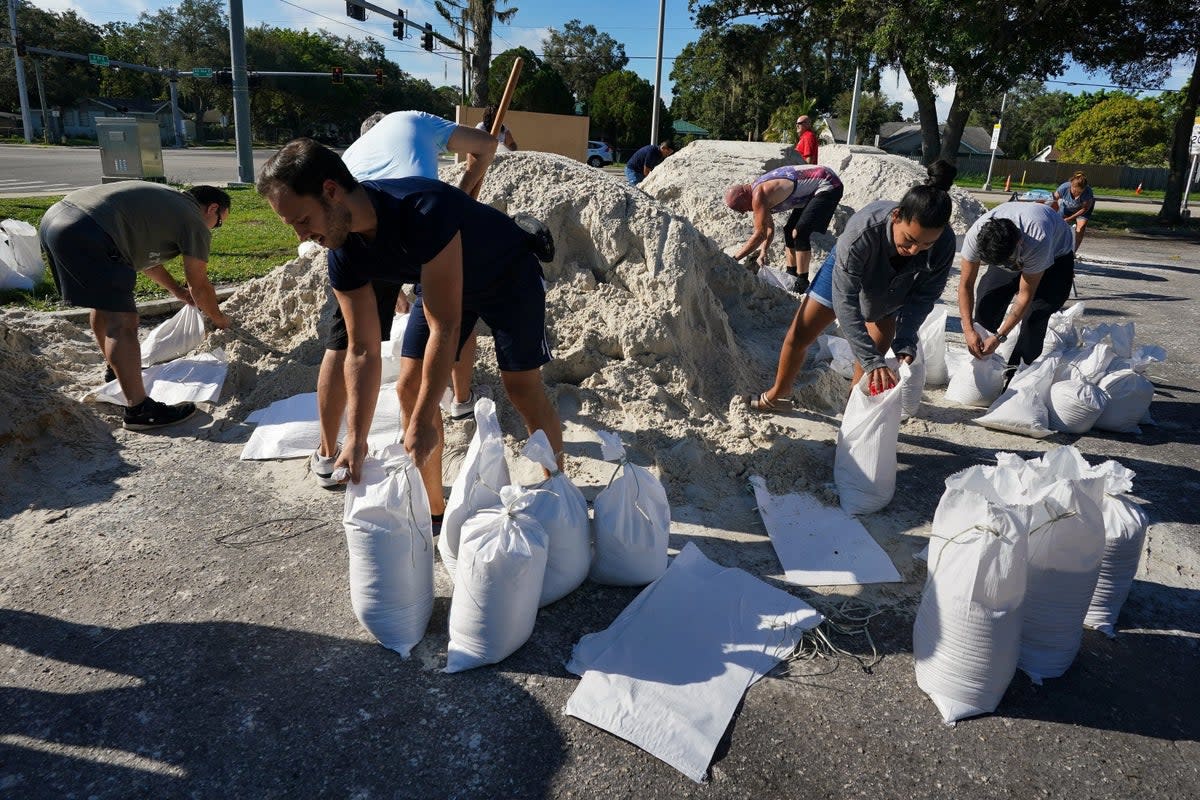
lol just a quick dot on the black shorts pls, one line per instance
(812, 217)
(88, 269)
(516, 313)
(338, 338)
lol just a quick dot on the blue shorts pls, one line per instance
(821, 289)
(516, 313)
(87, 267)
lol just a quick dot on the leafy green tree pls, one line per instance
(582, 55)
(540, 88)
(782, 127)
(621, 110)
(478, 16)
(64, 81)
(873, 110)
(1120, 130)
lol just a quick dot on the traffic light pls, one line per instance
(253, 80)
(427, 37)
(20, 48)
(222, 77)
(398, 26)
(379, 76)
(338, 75)
(356, 12)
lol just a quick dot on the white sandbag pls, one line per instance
(631, 522)
(1118, 334)
(910, 398)
(864, 465)
(1141, 359)
(178, 335)
(1066, 544)
(1129, 397)
(21, 264)
(776, 277)
(967, 634)
(974, 381)
(841, 355)
(497, 584)
(932, 338)
(1125, 526)
(1021, 409)
(390, 351)
(389, 539)
(1006, 348)
(562, 511)
(1075, 404)
(484, 471)
(193, 379)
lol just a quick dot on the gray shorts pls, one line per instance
(85, 263)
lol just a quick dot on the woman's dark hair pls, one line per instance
(929, 204)
(489, 116)
(303, 165)
(207, 195)
(997, 241)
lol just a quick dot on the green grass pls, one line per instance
(250, 243)
(974, 180)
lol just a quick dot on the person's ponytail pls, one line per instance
(929, 204)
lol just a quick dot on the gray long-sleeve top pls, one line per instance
(867, 288)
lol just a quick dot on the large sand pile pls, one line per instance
(693, 182)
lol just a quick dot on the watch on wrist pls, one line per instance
(1001, 337)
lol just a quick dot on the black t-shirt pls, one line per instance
(416, 219)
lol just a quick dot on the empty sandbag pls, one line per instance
(502, 560)
(562, 510)
(864, 465)
(967, 634)
(631, 522)
(389, 539)
(21, 264)
(484, 471)
(175, 337)
(840, 354)
(932, 338)
(1125, 526)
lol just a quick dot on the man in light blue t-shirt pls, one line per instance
(402, 144)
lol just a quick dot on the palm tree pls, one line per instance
(476, 16)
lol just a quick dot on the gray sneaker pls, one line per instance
(465, 410)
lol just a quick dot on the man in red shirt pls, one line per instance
(807, 146)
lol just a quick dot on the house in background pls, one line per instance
(687, 131)
(78, 120)
(904, 138)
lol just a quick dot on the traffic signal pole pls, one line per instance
(22, 90)
(241, 92)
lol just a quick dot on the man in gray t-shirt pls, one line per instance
(96, 241)
(1031, 256)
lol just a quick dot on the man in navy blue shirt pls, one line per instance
(640, 163)
(472, 262)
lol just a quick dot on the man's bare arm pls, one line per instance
(480, 149)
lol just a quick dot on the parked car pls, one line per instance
(600, 154)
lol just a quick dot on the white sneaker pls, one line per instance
(465, 410)
(322, 469)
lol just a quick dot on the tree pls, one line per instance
(873, 110)
(621, 109)
(540, 88)
(782, 127)
(64, 81)
(478, 16)
(582, 55)
(1121, 130)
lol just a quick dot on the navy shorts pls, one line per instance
(338, 338)
(88, 269)
(516, 313)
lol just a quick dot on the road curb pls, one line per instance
(149, 308)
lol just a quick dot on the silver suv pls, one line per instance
(600, 154)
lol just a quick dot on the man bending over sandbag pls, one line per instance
(397, 145)
(1031, 253)
(472, 262)
(97, 239)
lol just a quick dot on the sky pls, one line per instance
(634, 23)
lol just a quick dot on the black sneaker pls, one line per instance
(541, 241)
(799, 282)
(152, 414)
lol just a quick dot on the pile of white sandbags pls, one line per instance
(1015, 562)
(1087, 377)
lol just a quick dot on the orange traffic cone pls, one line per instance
(1139, 189)
(1008, 183)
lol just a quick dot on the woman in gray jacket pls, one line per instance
(880, 281)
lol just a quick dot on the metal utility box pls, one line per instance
(130, 149)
